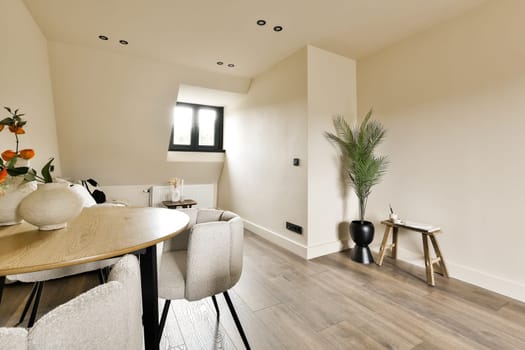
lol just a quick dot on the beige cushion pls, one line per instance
(13, 338)
(172, 275)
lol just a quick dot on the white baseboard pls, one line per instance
(278, 239)
(321, 249)
(467, 274)
(305, 252)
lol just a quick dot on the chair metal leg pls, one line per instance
(236, 319)
(101, 276)
(2, 282)
(216, 305)
(164, 317)
(35, 305)
(28, 304)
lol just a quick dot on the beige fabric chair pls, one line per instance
(38, 278)
(106, 317)
(203, 261)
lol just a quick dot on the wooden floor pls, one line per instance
(285, 302)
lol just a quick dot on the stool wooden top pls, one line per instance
(414, 226)
(97, 233)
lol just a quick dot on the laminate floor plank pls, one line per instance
(171, 336)
(291, 330)
(256, 331)
(331, 302)
(199, 326)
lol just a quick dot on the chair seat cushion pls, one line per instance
(172, 276)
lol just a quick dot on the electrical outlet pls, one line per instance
(294, 228)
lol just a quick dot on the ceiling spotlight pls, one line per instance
(261, 22)
(277, 28)
(103, 37)
(123, 42)
(220, 63)
(231, 65)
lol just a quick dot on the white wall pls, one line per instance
(26, 83)
(331, 91)
(262, 135)
(452, 99)
(284, 116)
(114, 115)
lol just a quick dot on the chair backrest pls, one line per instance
(214, 258)
(105, 317)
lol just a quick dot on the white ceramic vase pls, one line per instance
(10, 201)
(51, 206)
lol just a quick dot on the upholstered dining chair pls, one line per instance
(203, 261)
(39, 278)
(108, 316)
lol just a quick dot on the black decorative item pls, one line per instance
(231, 65)
(362, 233)
(123, 42)
(261, 22)
(220, 63)
(103, 37)
(277, 28)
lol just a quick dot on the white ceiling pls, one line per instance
(200, 32)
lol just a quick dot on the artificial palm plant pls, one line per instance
(364, 170)
(357, 146)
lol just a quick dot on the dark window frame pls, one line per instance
(194, 146)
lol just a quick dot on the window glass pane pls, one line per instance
(182, 123)
(207, 119)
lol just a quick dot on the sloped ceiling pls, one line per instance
(201, 32)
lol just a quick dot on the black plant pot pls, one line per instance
(362, 233)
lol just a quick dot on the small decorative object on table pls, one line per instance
(176, 189)
(393, 216)
(52, 205)
(13, 166)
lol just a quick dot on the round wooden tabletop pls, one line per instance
(97, 233)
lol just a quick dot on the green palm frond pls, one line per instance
(357, 146)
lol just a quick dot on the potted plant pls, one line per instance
(364, 170)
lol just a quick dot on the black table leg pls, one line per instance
(150, 304)
(2, 281)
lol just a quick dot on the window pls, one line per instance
(196, 128)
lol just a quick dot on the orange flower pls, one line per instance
(2, 127)
(3, 175)
(7, 155)
(17, 130)
(27, 153)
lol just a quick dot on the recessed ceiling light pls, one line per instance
(103, 37)
(261, 22)
(231, 65)
(277, 28)
(220, 63)
(123, 42)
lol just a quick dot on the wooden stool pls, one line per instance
(426, 233)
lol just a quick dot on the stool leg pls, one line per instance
(394, 242)
(442, 265)
(428, 264)
(382, 251)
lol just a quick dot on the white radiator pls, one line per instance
(204, 195)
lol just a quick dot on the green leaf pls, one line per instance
(8, 109)
(46, 172)
(6, 121)
(12, 162)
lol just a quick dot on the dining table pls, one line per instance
(97, 233)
